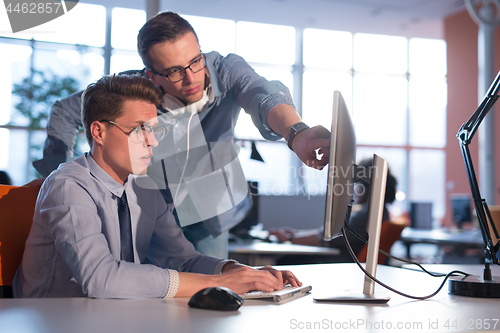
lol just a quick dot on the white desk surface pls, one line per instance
(443, 313)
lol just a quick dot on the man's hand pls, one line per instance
(312, 146)
(286, 277)
(242, 279)
(282, 234)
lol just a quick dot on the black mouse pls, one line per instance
(216, 298)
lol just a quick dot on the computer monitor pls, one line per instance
(421, 215)
(461, 207)
(342, 174)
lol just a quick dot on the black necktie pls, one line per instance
(127, 251)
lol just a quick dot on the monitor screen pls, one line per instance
(341, 169)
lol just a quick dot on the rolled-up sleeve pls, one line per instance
(255, 94)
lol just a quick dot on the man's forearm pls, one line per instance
(281, 118)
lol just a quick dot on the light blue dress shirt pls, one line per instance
(73, 248)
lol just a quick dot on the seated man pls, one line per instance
(96, 233)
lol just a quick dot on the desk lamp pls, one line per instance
(488, 285)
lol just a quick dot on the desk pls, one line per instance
(255, 253)
(78, 315)
(459, 239)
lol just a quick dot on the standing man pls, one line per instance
(212, 89)
(95, 233)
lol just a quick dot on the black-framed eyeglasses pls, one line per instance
(142, 132)
(177, 74)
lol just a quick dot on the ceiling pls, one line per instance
(410, 18)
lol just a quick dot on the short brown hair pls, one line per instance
(164, 27)
(104, 99)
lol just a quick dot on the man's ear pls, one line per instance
(98, 129)
(151, 76)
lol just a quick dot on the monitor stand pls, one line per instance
(375, 212)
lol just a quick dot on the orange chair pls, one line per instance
(17, 205)
(389, 234)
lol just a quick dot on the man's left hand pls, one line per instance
(285, 277)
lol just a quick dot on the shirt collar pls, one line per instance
(216, 82)
(102, 176)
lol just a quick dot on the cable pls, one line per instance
(393, 257)
(187, 157)
(349, 248)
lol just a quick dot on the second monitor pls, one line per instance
(342, 174)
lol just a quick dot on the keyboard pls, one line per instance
(278, 296)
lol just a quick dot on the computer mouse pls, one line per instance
(216, 298)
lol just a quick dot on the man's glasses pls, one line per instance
(177, 74)
(140, 133)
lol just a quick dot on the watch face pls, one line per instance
(294, 129)
(299, 126)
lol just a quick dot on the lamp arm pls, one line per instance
(482, 210)
(465, 135)
(468, 129)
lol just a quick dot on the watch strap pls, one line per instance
(294, 130)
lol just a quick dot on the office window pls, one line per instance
(265, 43)
(14, 67)
(317, 94)
(85, 24)
(427, 178)
(427, 57)
(121, 62)
(427, 101)
(380, 54)
(4, 148)
(395, 88)
(16, 141)
(270, 50)
(81, 64)
(66, 47)
(125, 25)
(214, 34)
(327, 58)
(278, 174)
(379, 109)
(327, 49)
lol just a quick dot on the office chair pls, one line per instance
(389, 234)
(17, 205)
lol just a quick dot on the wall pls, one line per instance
(460, 33)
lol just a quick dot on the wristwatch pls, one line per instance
(294, 130)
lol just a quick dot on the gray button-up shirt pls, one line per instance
(73, 248)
